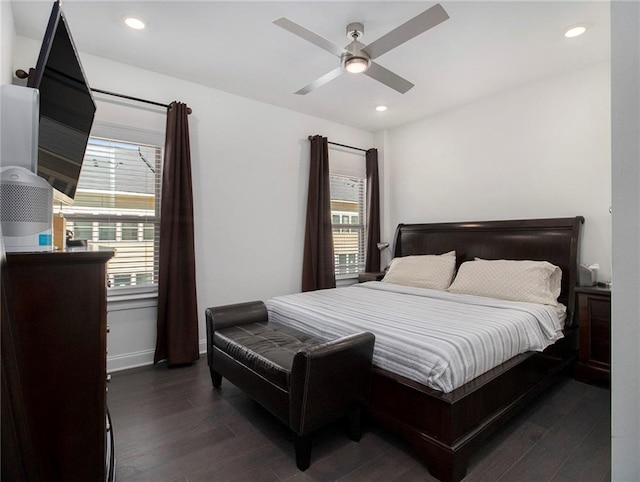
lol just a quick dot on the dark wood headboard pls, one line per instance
(553, 240)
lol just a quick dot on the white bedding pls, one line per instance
(440, 339)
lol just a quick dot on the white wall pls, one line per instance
(250, 175)
(7, 34)
(542, 150)
(625, 329)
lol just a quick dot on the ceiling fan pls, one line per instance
(358, 58)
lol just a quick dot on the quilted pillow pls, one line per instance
(425, 271)
(529, 281)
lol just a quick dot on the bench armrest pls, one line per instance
(330, 380)
(220, 317)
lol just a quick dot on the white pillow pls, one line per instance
(425, 271)
(529, 281)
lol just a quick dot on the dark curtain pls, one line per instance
(372, 253)
(318, 266)
(177, 323)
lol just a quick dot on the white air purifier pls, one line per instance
(26, 210)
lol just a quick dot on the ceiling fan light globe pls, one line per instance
(356, 65)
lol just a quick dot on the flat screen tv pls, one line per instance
(67, 107)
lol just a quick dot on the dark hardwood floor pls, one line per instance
(171, 425)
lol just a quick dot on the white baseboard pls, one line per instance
(125, 361)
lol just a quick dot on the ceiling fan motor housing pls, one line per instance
(355, 60)
(355, 30)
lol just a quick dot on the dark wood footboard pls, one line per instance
(446, 429)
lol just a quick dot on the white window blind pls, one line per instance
(348, 198)
(117, 205)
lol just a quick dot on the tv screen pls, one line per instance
(67, 108)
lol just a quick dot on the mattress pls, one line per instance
(439, 339)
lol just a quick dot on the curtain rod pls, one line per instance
(342, 145)
(22, 74)
(137, 99)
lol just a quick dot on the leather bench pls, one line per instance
(302, 380)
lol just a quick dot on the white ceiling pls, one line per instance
(484, 48)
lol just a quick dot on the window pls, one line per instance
(107, 231)
(130, 231)
(348, 194)
(117, 205)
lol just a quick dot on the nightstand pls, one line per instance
(370, 276)
(594, 320)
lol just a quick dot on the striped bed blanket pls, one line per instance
(439, 339)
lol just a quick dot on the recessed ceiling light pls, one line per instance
(134, 23)
(381, 108)
(575, 31)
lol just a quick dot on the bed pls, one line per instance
(445, 426)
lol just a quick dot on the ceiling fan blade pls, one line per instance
(321, 81)
(408, 30)
(309, 36)
(388, 78)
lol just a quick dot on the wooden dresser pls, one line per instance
(594, 320)
(56, 305)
